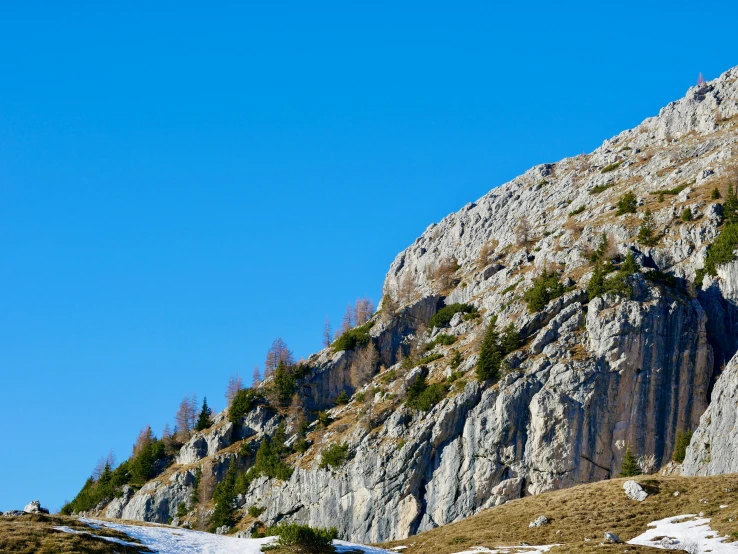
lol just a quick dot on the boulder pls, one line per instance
(539, 521)
(634, 491)
(34, 507)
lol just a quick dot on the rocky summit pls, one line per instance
(577, 318)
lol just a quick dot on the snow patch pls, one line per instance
(686, 532)
(174, 540)
(509, 549)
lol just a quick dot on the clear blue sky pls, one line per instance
(180, 185)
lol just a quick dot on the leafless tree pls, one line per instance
(348, 319)
(145, 437)
(110, 460)
(364, 365)
(522, 231)
(363, 310)
(389, 306)
(255, 376)
(327, 333)
(485, 253)
(235, 384)
(700, 80)
(407, 289)
(444, 273)
(186, 417)
(277, 353)
(99, 468)
(166, 432)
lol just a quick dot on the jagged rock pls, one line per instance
(539, 521)
(14, 513)
(34, 507)
(223, 530)
(634, 491)
(612, 538)
(715, 441)
(204, 444)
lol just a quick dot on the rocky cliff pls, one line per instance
(596, 373)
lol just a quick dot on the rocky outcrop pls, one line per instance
(595, 376)
(34, 507)
(715, 442)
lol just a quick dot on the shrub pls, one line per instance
(671, 192)
(680, 446)
(611, 167)
(302, 538)
(443, 339)
(334, 456)
(577, 211)
(510, 339)
(721, 251)
(358, 336)
(268, 463)
(602, 247)
(302, 445)
(223, 498)
(284, 384)
(627, 204)
(545, 288)
(256, 511)
(687, 214)
(429, 359)
(422, 396)
(617, 284)
(630, 466)
(93, 492)
(342, 398)
(324, 419)
(715, 194)
(443, 316)
(657, 276)
(360, 396)
(600, 188)
(181, 509)
(730, 207)
(490, 354)
(389, 376)
(456, 359)
(244, 401)
(646, 230)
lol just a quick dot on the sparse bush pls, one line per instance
(302, 539)
(358, 336)
(577, 211)
(342, 398)
(600, 188)
(721, 250)
(389, 376)
(680, 446)
(687, 214)
(611, 167)
(522, 231)
(443, 316)
(181, 510)
(422, 396)
(360, 396)
(444, 273)
(485, 253)
(256, 511)
(545, 288)
(324, 419)
(334, 456)
(445, 340)
(627, 204)
(647, 229)
(243, 402)
(456, 359)
(429, 359)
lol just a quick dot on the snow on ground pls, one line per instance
(687, 532)
(509, 549)
(174, 540)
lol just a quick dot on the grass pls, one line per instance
(35, 534)
(600, 188)
(586, 511)
(611, 167)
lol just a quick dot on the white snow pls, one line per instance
(173, 540)
(509, 549)
(686, 532)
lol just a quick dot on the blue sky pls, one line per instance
(181, 185)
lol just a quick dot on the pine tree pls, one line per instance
(680, 447)
(646, 232)
(223, 498)
(510, 339)
(715, 195)
(490, 354)
(687, 214)
(630, 466)
(205, 420)
(596, 285)
(730, 207)
(630, 266)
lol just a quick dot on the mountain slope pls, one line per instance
(428, 443)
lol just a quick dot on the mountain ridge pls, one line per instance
(595, 375)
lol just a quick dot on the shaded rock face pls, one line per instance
(715, 442)
(719, 296)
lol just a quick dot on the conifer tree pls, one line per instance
(730, 207)
(205, 419)
(490, 354)
(629, 266)
(646, 232)
(510, 339)
(630, 466)
(596, 285)
(223, 498)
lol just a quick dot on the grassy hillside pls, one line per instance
(587, 512)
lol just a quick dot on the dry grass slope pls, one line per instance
(587, 512)
(35, 534)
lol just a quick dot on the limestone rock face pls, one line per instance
(594, 376)
(715, 442)
(34, 507)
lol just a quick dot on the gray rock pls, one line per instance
(34, 507)
(223, 530)
(634, 491)
(612, 538)
(539, 521)
(14, 513)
